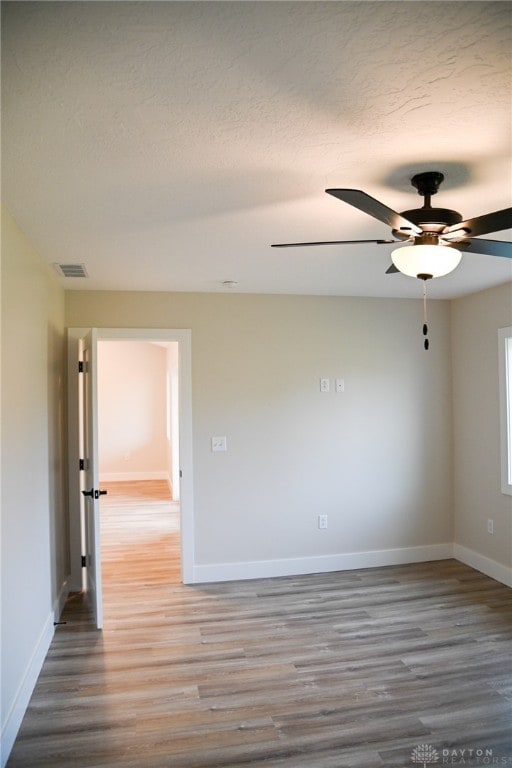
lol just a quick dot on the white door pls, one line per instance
(90, 475)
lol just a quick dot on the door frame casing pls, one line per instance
(184, 337)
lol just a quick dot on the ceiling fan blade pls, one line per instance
(373, 207)
(392, 269)
(333, 242)
(489, 247)
(482, 225)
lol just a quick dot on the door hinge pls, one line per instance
(81, 464)
(80, 366)
(84, 561)
(181, 473)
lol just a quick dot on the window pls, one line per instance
(505, 362)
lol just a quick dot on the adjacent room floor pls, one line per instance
(397, 666)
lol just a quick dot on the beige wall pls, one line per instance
(34, 526)
(377, 459)
(132, 410)
(478, 497)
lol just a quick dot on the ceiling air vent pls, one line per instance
(71, 270)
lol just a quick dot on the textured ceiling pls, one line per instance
(166, 145)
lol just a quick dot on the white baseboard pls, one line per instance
(117, 477)
(263, 569)
(483, 564)
(15, 716)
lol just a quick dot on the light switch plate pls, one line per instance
(219, 444)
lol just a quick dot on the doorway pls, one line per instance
(138, 412)
(138, 452)
(180, 465)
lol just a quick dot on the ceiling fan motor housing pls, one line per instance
(430, 220)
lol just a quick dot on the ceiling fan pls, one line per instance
(436, 236)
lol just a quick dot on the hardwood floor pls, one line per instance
(140, 538)
(354, 669)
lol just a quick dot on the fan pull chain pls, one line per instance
(425, 324)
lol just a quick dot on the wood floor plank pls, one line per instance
(339, 670)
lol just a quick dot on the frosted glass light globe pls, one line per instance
(426, 260)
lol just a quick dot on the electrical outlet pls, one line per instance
(322, 522)
(324, 385)
(490, 526)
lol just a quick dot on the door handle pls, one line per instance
(94, 493)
